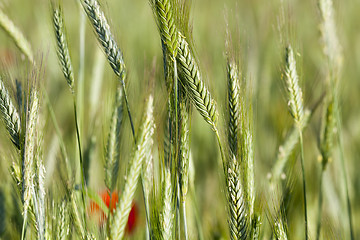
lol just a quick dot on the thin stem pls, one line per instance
(176, 102)
(178, 223)
(108, 217)
(320, 203)
(304, 182)
(221, 149)
(80, 83)
(81, 164)
(343, 168)
(23, 231)
(184, 219)
(129, 114)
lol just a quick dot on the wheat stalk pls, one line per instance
(113, 143)
(327, 137)
(18, 37)
(238, 217)
(105, 37)
(62, 47)
(333, 51)
(194, 86)
(66, 66)
(10, 115)
(184, 156)
(28, 156)
(234, 106)
(184, 150)
(110, 47)
(163, 10)
(167, 213)
(287, 148)
(295, 103)
(296, 109)
(144, 145)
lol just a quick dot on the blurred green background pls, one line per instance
(257, 31)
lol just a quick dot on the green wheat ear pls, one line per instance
(238, 216)
(29, 155)
(163, 11)
(144, 145)
(113, 142)
(109, 46)
(62, 47)
(234, 106)
(295, 98)
(195, 88)
(184, 155)
(295, 105)
(167, 213)
(10, 115)
(104, 36)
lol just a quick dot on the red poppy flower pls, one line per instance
(95, 210)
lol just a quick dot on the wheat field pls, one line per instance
(178, 119)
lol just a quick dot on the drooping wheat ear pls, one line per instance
(113, 143)
(332, 47)
(295, 98)
(104, 35)
(145, 141)
(165, 19)
(280, 230)
(255, 227)
(195, 88)
(184, 150)
(234, 106)
(327, 137)
(63, 223)
(286, 149)
(164, 11)
(9, 115)
(29, 153)
(62, 47)
(167, 213)
(110, 47)
(238, 217)
(15, 33)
